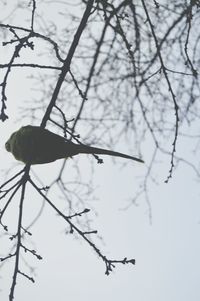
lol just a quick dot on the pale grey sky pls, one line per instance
(166, 251)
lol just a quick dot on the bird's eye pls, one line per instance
(7, 146)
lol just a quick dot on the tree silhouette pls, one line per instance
(118, 70)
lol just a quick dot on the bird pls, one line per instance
(36, 145)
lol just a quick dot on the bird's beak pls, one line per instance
(7, 146)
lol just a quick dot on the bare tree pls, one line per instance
(119, 70)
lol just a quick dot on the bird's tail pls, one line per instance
(85, 149)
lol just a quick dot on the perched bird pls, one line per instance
(34, 145)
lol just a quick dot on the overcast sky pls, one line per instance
(166, 249)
